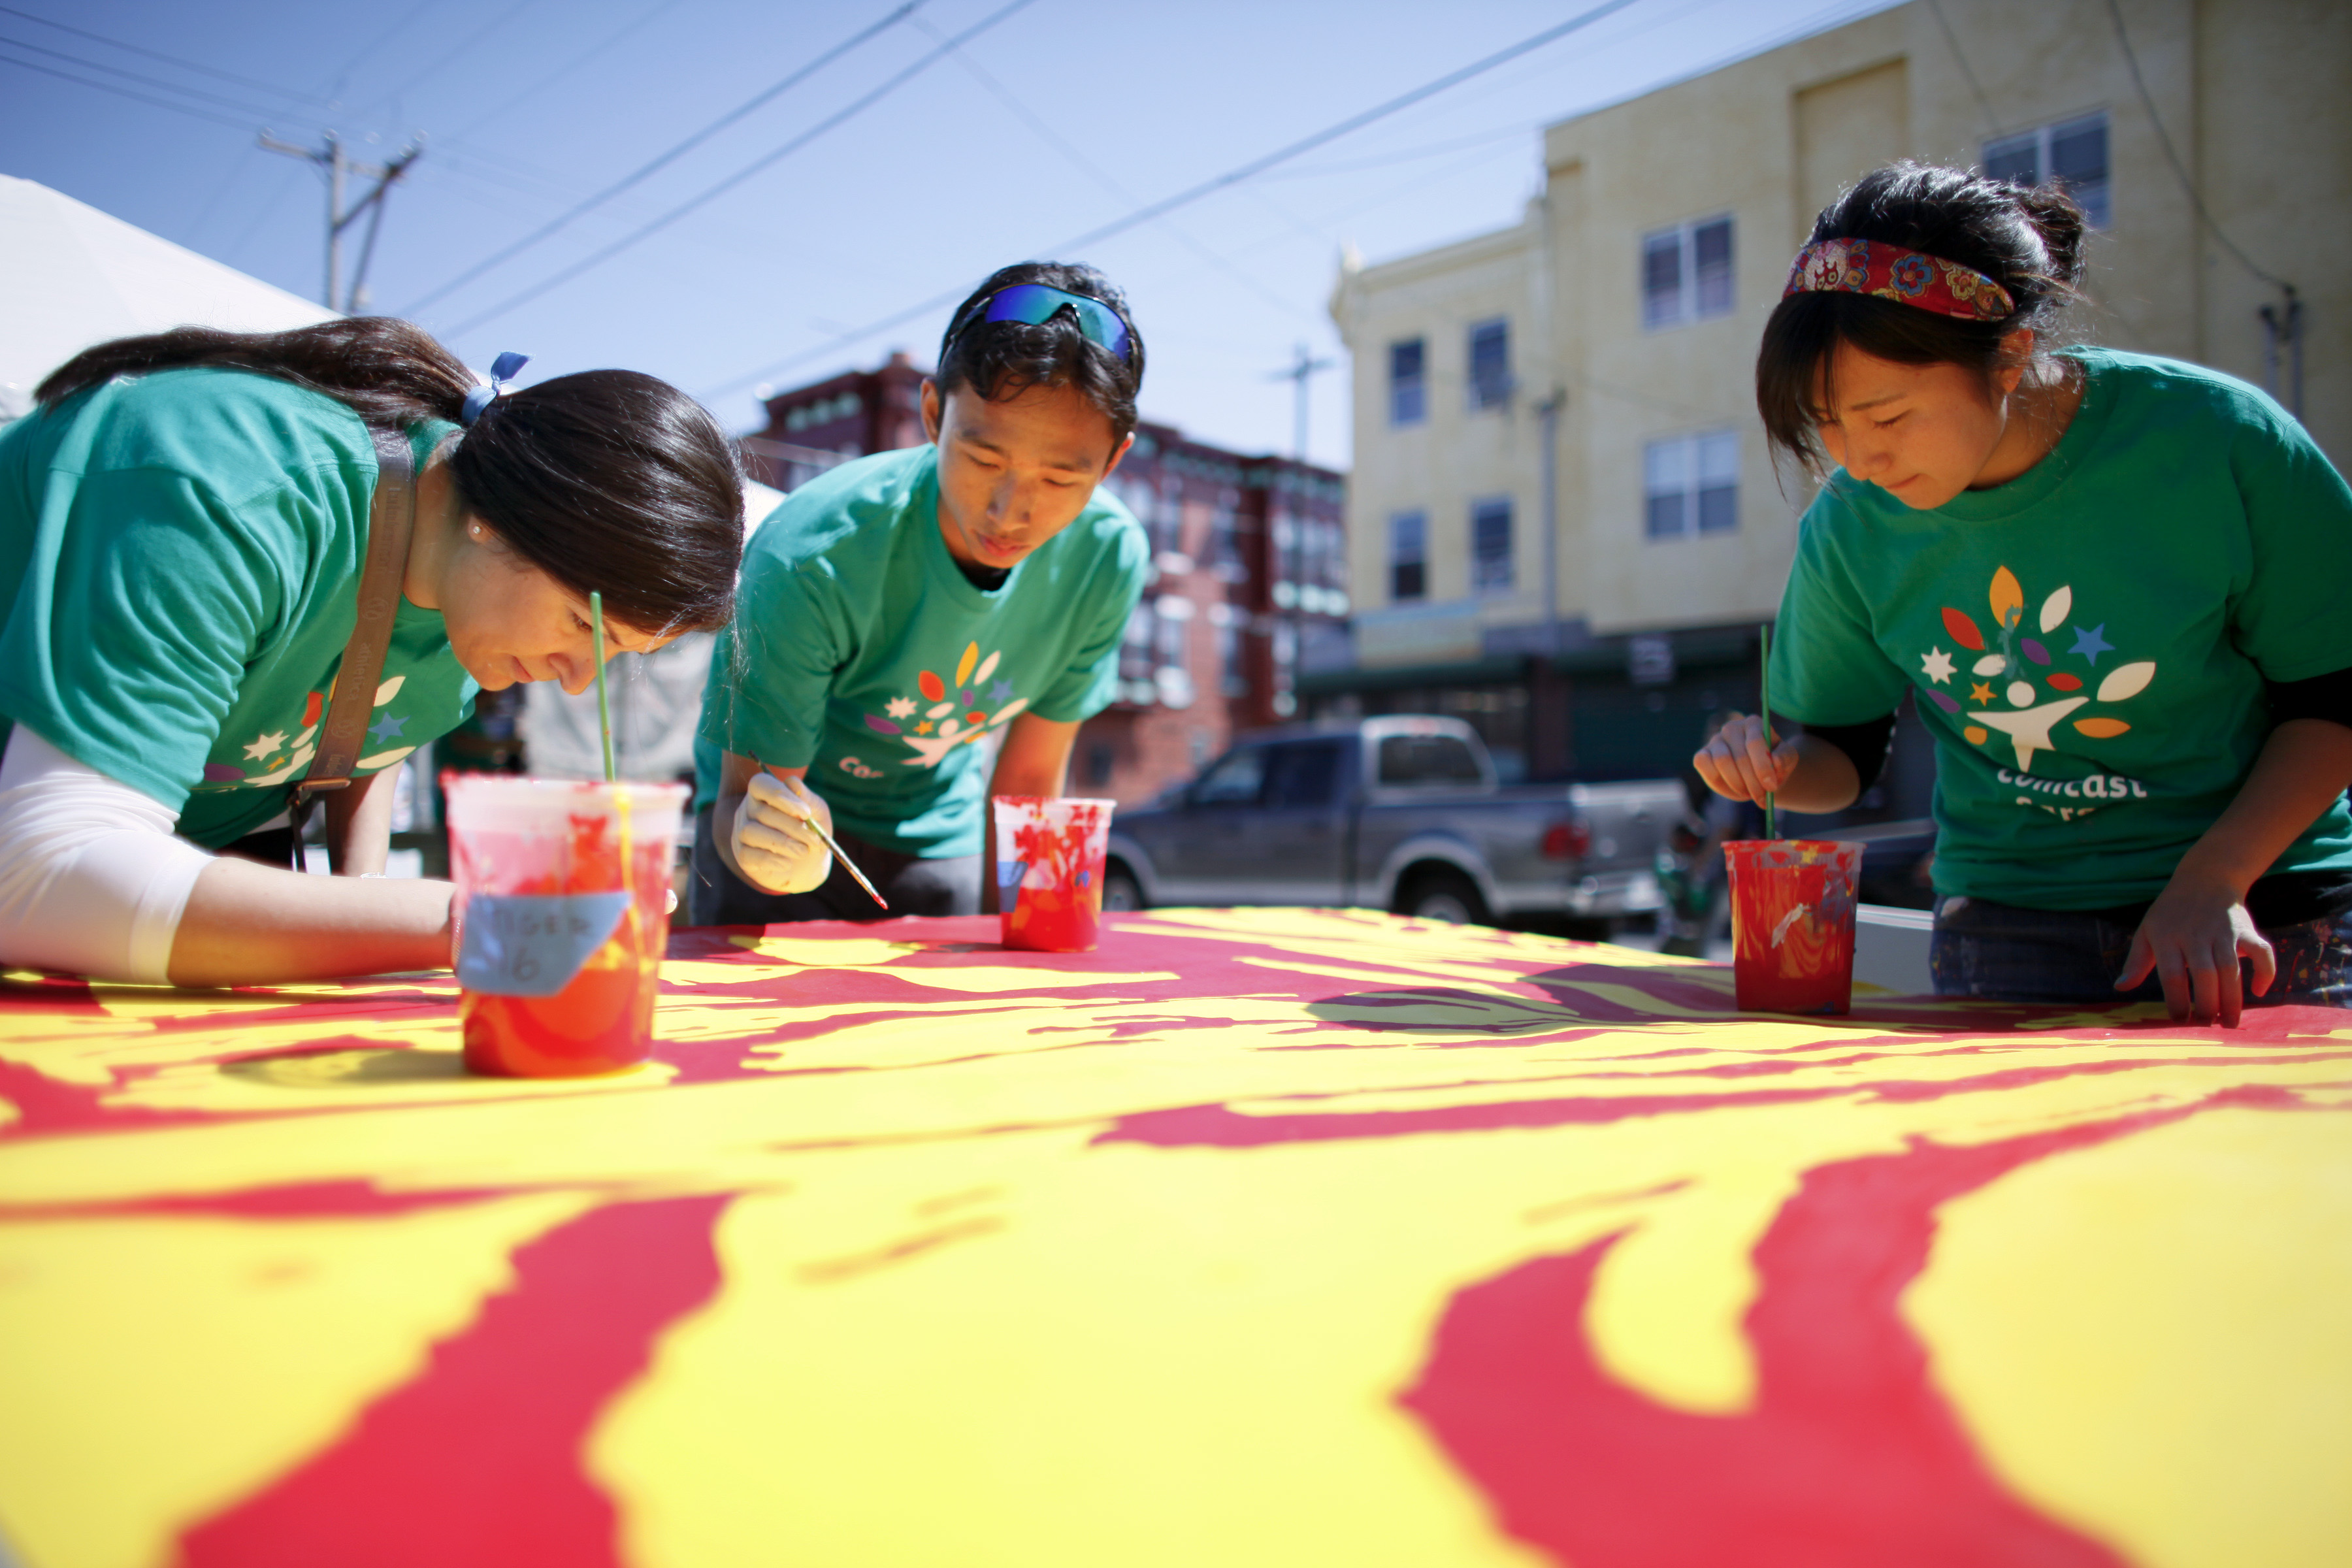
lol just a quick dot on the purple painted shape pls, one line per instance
(2034, 650)
(880, 726)
(221, 772)
(1945, 704)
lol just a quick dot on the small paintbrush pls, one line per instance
(846, 863)
(1764, 700)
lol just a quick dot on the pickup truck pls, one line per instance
(1400, 813)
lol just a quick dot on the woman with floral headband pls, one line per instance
(2116, 587)
(240, 570)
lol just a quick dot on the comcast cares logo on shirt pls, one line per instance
(2023, 686)
(949, 713)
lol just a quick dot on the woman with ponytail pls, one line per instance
(185, 521)
(2115, 587)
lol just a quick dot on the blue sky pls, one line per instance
(1041, 125)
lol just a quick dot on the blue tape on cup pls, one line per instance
(1010, 872)
(531, 944)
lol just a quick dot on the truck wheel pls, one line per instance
(1121, 891)
(1447, 897)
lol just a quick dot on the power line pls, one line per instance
(160, 55)
(196, 93)
(372, 45)
(391, 97)
(1206, 187)
(1387, 160)
(1992, 120)
(1354, 123)
(126, 92)
(2180, 170)
(1096, 173)
(517, 100)
(731, 180)
(697, 139)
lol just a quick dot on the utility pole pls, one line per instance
(1285, 537)
(1547, 415)
(1303, 366)
(339, 167)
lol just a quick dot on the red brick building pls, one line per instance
(1249, 567)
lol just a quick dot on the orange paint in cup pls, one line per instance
(564, 892)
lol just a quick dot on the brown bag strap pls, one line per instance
(392, 519)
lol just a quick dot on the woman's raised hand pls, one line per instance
(1741, 763)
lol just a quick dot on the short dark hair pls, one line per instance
(2028, 241)
(607, 480)
(1000, 360)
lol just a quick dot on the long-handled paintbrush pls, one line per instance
(604, 704)
(1764, 696)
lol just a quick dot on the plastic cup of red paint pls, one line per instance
(563, 915)
(1792, 923)
(1049, 871)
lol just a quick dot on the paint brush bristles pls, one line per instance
(1764, 698)
(603, 703)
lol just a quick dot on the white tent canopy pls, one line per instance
(71, 276)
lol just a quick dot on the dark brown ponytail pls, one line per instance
(2028, 241)
(606, 480)
(391, 373)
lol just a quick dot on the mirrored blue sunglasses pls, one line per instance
(1033, 304)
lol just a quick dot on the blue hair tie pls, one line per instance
(502, 371)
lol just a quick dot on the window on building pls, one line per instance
(1409, 555)
(1233, 673)
(1490, 365)
(1408, 384)
(2072, 154)
(1225, 546)
(1686, 272)
(1490, 545)
(1691, 485)
(1173, 643)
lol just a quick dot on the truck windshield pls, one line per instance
(1427, 760)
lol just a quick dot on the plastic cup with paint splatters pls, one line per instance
(563, 914)
(1792, 923)
(1049, 871)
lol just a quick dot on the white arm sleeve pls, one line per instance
(92, 878)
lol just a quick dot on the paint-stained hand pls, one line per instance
(2192, 938)
(1740, 763)
(773, 846)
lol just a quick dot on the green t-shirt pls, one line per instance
(179, 558)
(861, 652)
(2087, 643)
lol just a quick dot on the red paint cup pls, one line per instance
(1049, 871)
(1792, 923)
(563, 915)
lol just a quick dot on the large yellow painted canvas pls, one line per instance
(1255, 1237)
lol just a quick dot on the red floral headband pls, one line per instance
(1906, 277)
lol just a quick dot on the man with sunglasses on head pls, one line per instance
(903, 613)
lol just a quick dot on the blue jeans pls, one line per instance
(2001, 953)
